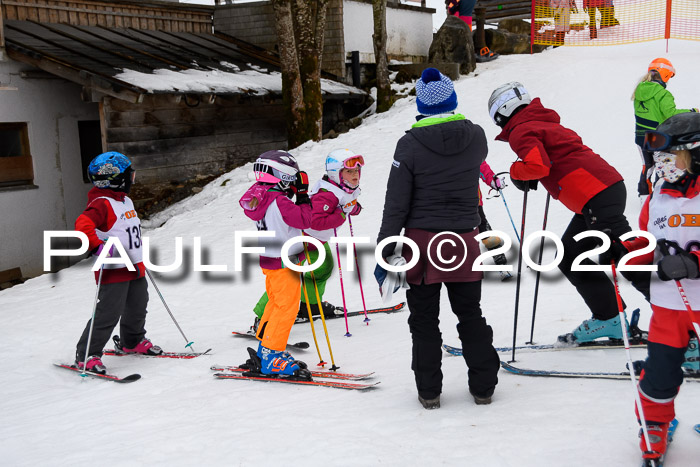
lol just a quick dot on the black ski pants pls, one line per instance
(122, 300)
(603, 211)
(476, 336)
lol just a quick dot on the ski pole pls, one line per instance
(520, 267)
(630, 364)
(539, 263)
(189, 343)
(342, 288)
(92, 319)
(359, 277)
(311, 318)
(511, 217)
(320, 309)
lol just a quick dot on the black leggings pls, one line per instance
(603, 211)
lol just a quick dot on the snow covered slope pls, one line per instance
(178, 414)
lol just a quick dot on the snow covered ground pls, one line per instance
(178, 414)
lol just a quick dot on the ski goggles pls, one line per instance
(658, 141)
(354, 162)
(268, 174)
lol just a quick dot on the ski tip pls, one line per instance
(129, 379)
(301, 345)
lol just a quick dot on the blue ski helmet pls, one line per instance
(111, 170)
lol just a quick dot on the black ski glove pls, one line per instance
(681, 265)
(301, 188)
(616, 251)
(524, 185)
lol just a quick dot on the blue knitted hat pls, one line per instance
(435, 93)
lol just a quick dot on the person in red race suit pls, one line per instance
(672, 215)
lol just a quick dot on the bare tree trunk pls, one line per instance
(384, 99)
(300, 26)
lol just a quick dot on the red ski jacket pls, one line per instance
(100, 215)
(569, 170)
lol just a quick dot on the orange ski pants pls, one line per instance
(283, 288)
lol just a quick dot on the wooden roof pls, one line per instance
(93, 55)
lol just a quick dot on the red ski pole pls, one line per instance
(359, 277)
(342, 288)
(630, 365)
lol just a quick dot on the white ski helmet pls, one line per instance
(505, 99)
(340, 159)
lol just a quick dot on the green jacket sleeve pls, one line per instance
(667, 107)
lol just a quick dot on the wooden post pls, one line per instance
(480, 41)
(2, 34)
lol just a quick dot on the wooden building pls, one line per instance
(152, 80)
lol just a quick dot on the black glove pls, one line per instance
(681, 265)
(524, 185)
(613, 254)
(301, 188)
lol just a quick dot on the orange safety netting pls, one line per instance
(612, 22)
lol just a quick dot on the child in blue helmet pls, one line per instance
(123, 294)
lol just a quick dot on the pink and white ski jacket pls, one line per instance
(273, 211)
(330, 204)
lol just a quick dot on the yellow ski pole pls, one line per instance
(320, 310)
(311, 318)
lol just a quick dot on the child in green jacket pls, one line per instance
(653, 104)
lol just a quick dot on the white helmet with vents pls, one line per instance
(505, 99)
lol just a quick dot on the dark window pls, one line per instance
(15, 158)
(90, 136)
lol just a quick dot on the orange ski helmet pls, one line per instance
(663, 67)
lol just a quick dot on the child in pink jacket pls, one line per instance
(269, 204)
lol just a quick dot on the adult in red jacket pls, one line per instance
(572, 173)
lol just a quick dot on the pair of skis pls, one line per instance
(693, 377)
(250, 334)
(133, 377)
(604, 344)
(340, 312)
(337, 380)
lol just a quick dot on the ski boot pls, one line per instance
(254, 328)
(481, 399)
(658, 437)
(593, 32)
(328, 311)
(145, 347)
(592, 329)
(429, 404)
(692, 357)
(268, 362)
(94, 364)
(485, 55)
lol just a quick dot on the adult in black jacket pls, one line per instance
(432, 193)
